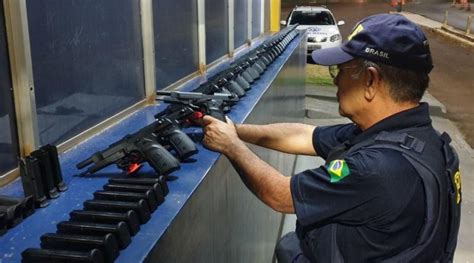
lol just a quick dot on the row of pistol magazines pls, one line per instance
(105, 225)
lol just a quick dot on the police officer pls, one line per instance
(390, 189)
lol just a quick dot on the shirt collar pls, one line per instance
(415, 117)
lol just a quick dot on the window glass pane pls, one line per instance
(87, 61)
(216, 29)
(240, 22)
(8, 137)
(312, 18)
(256, 17)
(176, 40)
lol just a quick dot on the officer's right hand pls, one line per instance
(219, 136)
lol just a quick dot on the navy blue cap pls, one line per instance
(390, 39)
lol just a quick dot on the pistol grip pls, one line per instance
(218, 114)
(162, 161)
(242, 82)
(182, 144)
(234, 88)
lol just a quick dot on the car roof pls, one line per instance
(310, 8)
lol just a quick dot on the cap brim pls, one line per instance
(330, 56)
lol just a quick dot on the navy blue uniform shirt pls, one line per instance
(375, 209)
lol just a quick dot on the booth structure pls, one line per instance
(82, 74)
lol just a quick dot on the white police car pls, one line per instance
(322, 28)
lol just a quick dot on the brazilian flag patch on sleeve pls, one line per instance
(338, 169)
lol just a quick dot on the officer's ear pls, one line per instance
(372, 74)
(369, 79)
(372, 79)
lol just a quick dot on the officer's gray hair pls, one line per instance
(405, 85)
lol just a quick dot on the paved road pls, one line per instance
(456, 18)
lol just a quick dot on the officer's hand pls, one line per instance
(218, 135)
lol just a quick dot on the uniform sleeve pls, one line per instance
(325, 138)
(348, 191)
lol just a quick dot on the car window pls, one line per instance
(311, 18)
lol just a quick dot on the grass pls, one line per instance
(318, 75)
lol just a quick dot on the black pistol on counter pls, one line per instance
(13, 210)
(215, 105)
(146, 145)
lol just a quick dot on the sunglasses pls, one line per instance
(334, 70)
